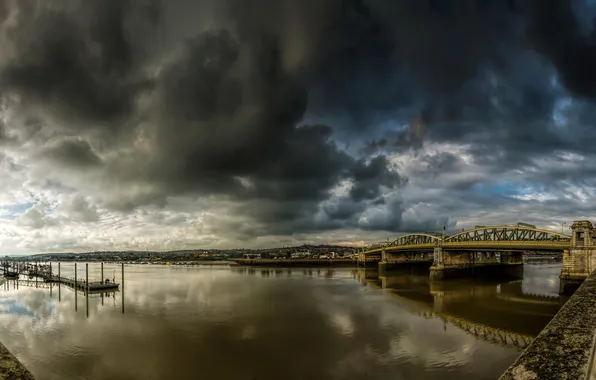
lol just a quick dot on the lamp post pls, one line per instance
(562, 224)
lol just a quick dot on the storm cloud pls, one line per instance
(262, 119)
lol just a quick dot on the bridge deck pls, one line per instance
(478, 245)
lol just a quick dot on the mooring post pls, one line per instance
(102, 278)
(59, 283)
(122, 288)
(87, 289)
(75, 287)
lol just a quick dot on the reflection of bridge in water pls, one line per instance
(484, 332)
(500, 313)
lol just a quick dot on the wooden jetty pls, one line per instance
(44, 272)
(83, 284)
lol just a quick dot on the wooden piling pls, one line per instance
(122, 288)
(75, 282)
(102, 278)
(86, 289)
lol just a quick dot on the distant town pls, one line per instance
(304, 251)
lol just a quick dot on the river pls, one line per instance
(219, 322)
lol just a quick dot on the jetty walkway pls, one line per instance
(44, 272)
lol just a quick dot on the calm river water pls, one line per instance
(224, 322)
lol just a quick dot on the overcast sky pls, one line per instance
(258, 123)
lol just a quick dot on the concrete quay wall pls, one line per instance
(565, 348)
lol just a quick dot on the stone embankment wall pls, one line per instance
(565, 348)
(11, 368)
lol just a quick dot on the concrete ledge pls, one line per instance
(11, 368)
(565, 348)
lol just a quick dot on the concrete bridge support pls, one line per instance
(367, 261)
(457, 264)
(579, 261)
(405, 260)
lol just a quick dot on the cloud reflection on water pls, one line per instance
(240, 323)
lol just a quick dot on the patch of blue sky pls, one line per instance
(504, 189)
(529, 190)
(12, 211)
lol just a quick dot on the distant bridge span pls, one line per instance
(488, 249)
(491, 238)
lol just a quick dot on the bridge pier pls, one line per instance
(450, 264)
(404, 260)
(368, 261)
(579, 261)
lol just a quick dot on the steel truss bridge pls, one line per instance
(493, 238)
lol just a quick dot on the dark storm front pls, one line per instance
(263, 323)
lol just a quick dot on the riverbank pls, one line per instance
(11, 368)
(296, 262)
(565, 347)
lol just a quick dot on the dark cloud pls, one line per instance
(78, 59)
(227, 112)
(556, 32)
(370, 179)
(79, 209)
(74, 153)
(3, 134)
